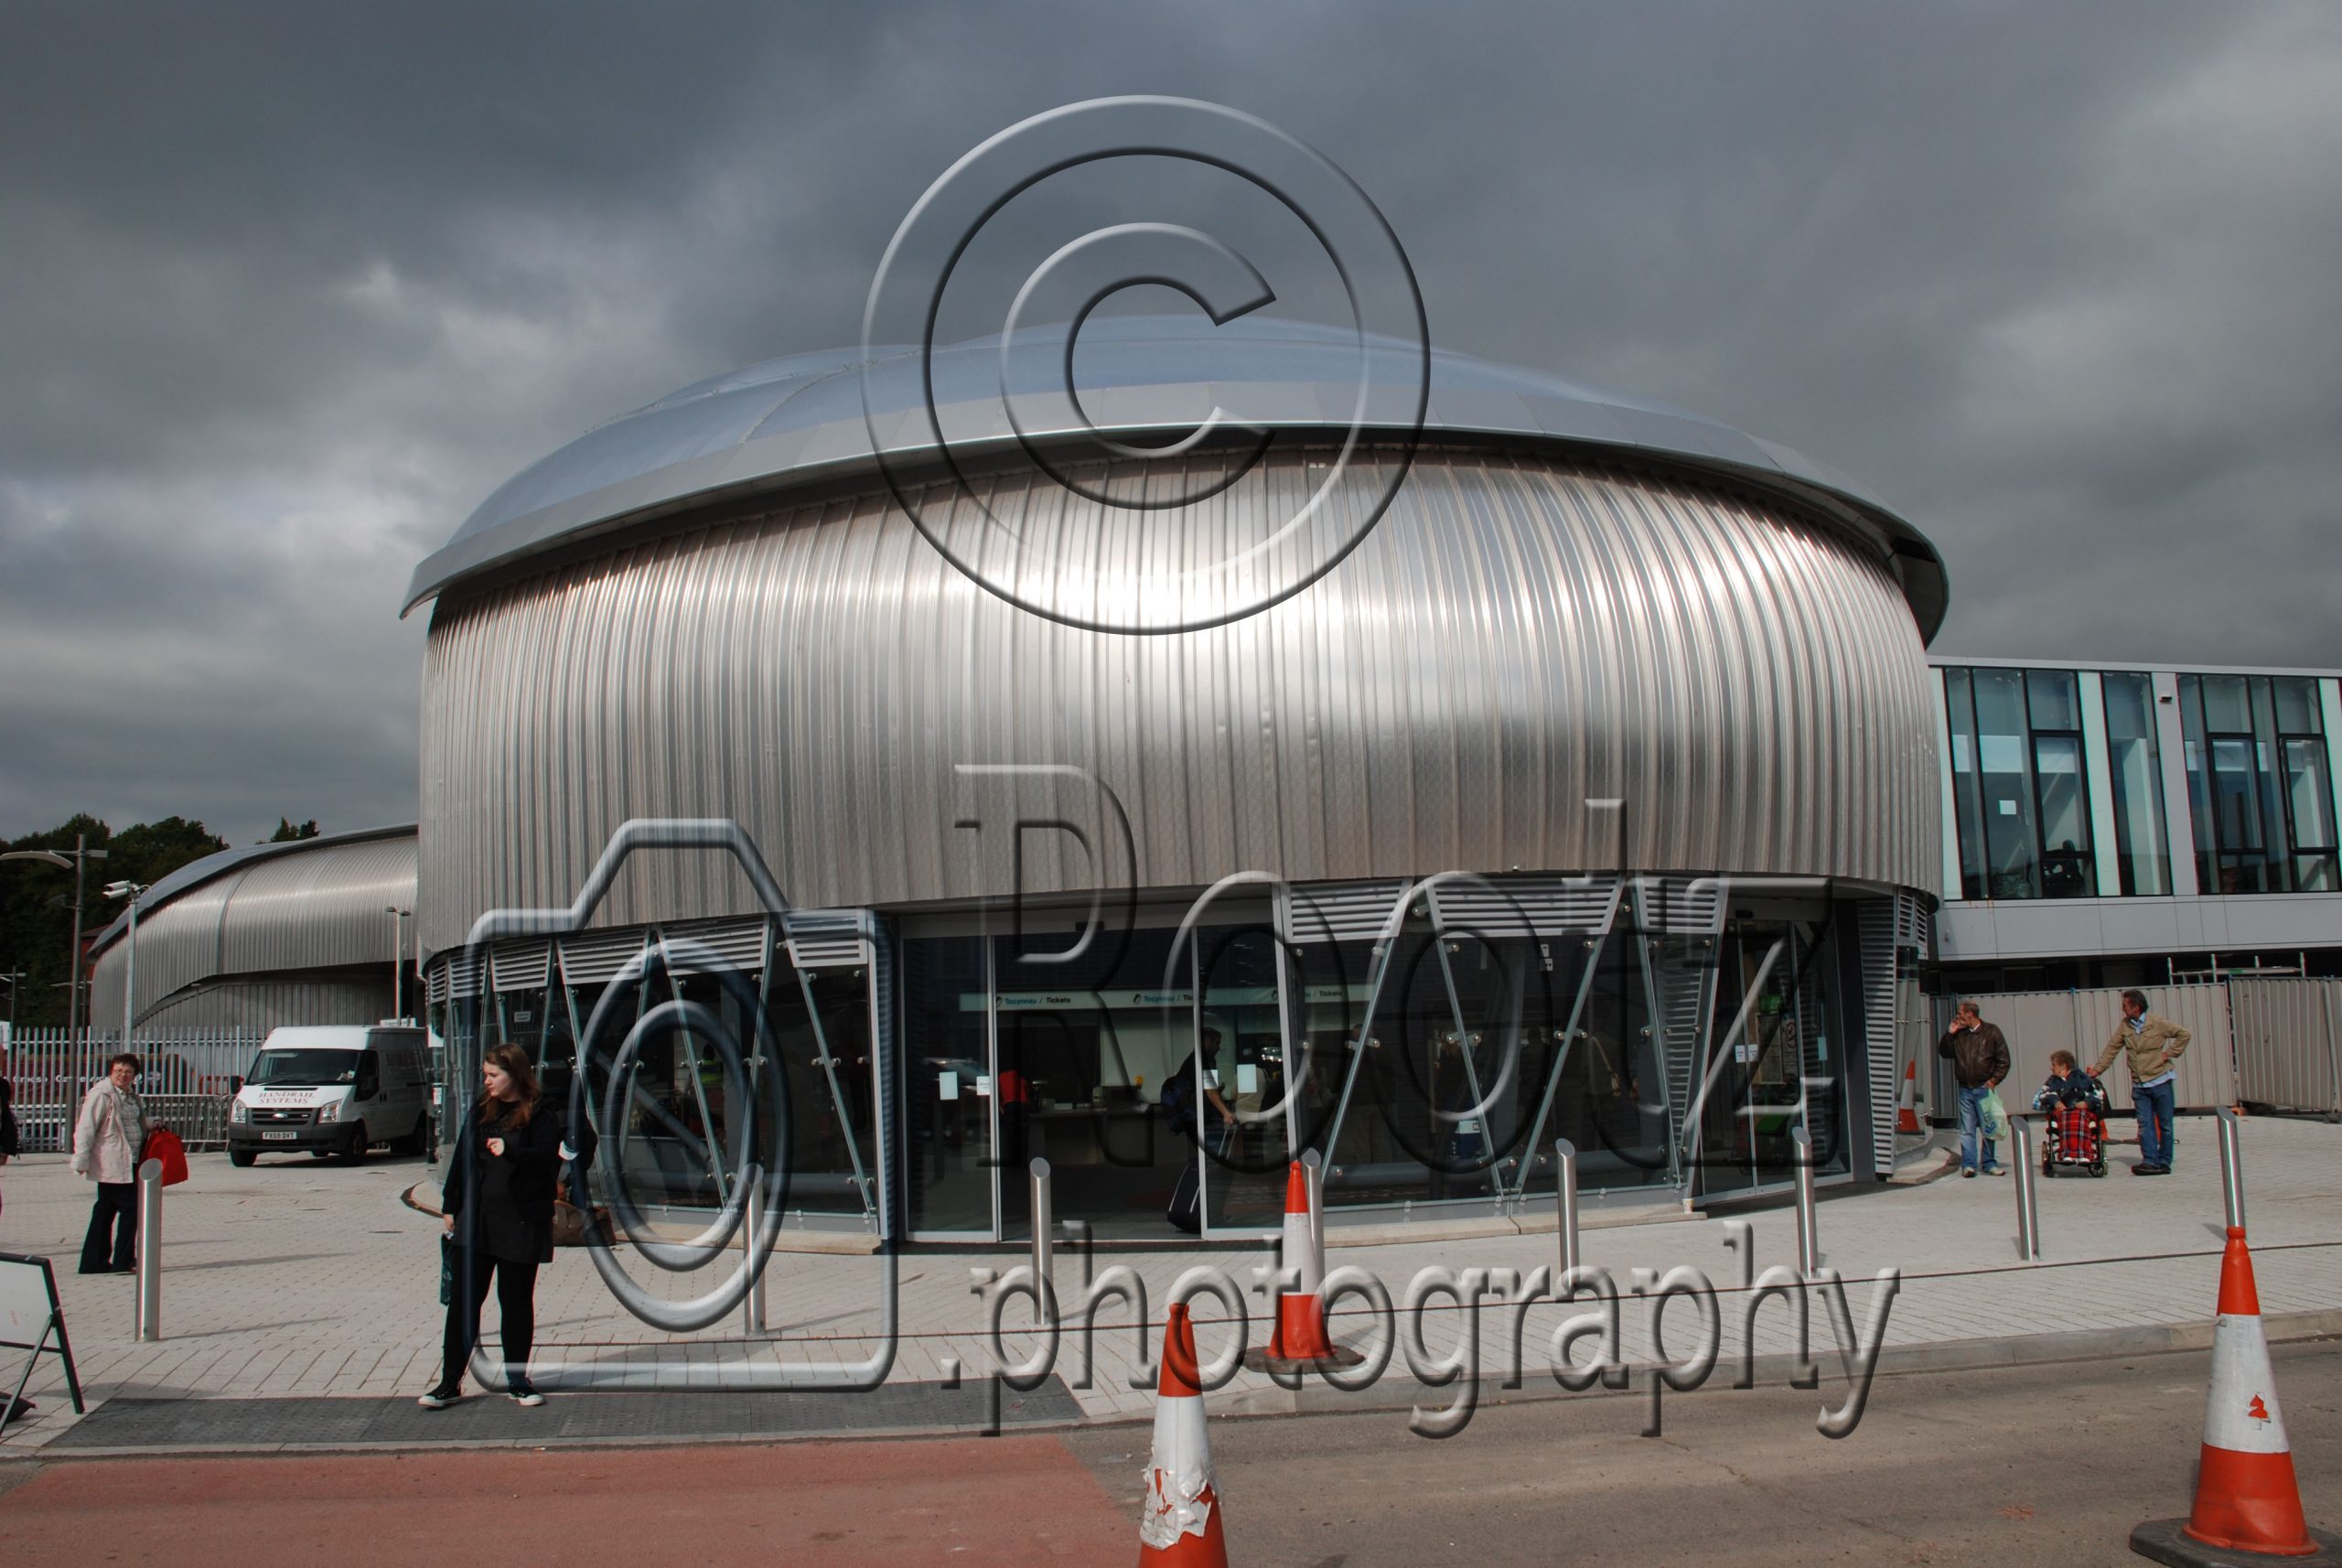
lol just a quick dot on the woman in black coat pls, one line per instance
(498, 1198)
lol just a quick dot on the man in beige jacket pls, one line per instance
(2152, 1043)
(107, 1138)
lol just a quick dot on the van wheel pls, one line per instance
(355, 1153)
(240, 1158)
(417, 1142)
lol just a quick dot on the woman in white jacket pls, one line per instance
(107, 1138)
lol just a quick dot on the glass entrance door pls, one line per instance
(1775, 1059)
(951, 1121)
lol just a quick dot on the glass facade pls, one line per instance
(1023, 1046)
(1433, 1073)
(800, 1050)
(2056, 785)
(2134, 768)
(1442, 1079)
(2020, 783)
(2259, 784)
(1481, 1052)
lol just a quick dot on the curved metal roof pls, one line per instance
(211, 867)
(789, 422)
(270, 909)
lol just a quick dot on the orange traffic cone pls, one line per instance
(2247, 1501)
(1300, 1340)
(1301, 1317)
(1180, 1522)
(1906, 1118)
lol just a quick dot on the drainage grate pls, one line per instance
(676, 1416)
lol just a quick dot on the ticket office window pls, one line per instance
(1084, 1048)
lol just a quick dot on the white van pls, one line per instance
(335, 1088)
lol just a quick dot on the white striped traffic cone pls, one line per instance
(1300, 1333)
(1906, 1118)
(2247, 1499)
(1180, 1524)
(1301, 1340)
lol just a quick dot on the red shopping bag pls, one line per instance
(164, 1145)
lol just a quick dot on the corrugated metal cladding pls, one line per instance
(2288, 1042)
(1518, 635)
(312, 906)
(256, 1006)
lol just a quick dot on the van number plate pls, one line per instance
(279, 1137)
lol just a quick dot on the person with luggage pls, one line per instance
(1180, 1104)
(109, 1136)
(2150, 1043)
(498, 1202)
(1980, 1059)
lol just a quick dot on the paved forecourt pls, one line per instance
(295, 1280)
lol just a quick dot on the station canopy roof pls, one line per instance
(792, 422)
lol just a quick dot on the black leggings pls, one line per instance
(516, 1287)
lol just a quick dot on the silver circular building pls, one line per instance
(1587, 793)
(239, 942)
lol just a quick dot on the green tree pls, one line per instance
(287, 834)
(36, 914)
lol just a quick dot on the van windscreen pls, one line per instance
(298, 1068)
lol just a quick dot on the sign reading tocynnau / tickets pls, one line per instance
(1126, 1001)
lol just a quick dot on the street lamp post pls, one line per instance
(133, 892)
(398, 959)
(77, 859)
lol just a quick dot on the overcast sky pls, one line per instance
(286, 292)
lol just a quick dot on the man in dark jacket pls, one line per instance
(1980, 1059)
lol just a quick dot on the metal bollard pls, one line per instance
(1044, 1286)
(752, 1305)
(149, 1325)
(1809, 1236)
(1566, 1201)
(2028, 1212)
(2231, 1169)
(1313, 1174)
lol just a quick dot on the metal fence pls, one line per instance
(2288, 1042)
(2039, 1022)
(186, 1082)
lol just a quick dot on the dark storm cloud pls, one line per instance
(289, 290)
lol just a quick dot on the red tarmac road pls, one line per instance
(2045, 1466)
(841, 1505)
